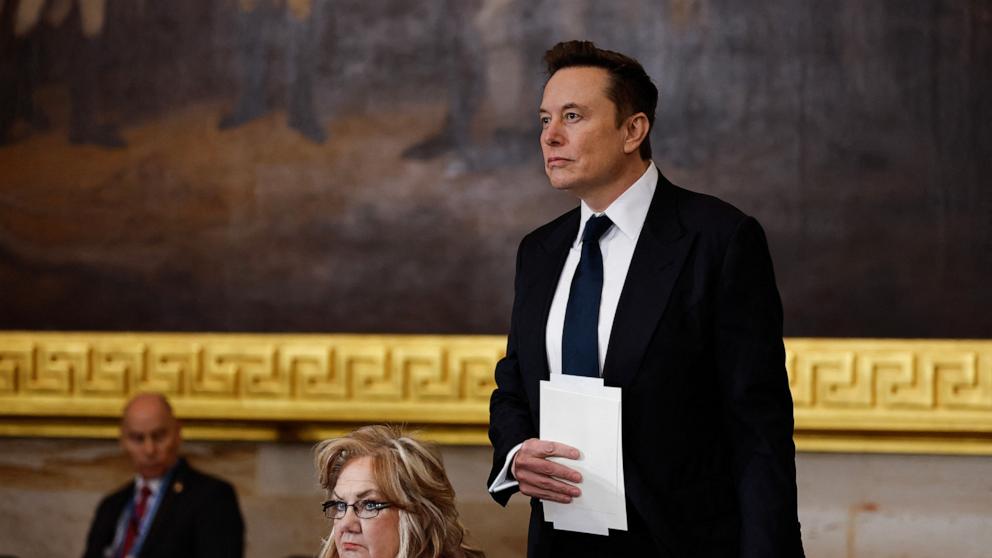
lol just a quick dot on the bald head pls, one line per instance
(150, 434)
(148, 403)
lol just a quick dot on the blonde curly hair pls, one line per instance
(410, 475)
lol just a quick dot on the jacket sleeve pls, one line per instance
(101, 533)
(510, 420)
(757, 400)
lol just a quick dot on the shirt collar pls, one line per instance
(628, 211)
(152, 484)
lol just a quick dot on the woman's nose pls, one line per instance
(350, 521)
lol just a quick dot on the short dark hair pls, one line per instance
(630, 88)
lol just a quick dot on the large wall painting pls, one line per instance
(353, 166)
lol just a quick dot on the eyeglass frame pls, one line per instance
(331, 508)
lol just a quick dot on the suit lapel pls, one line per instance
(163, 515)
(555, 246)
(658, 257)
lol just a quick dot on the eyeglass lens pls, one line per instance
(364, 509)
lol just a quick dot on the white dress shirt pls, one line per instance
(617, 245)
(628, 213)
(152, 484)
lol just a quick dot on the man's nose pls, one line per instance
(551, 134)
(148, 446)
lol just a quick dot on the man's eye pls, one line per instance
(571, 116)
(545, 120)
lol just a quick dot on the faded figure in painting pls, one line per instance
(463, 26)
(258, 22)
(465, 63)
(84, 86)
(20, 72)
(388, 497)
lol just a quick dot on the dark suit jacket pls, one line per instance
(198, 518)
(696, 346)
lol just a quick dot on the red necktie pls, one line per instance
(134, 525)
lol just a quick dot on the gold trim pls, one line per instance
(864, 395)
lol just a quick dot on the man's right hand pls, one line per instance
(544, 479)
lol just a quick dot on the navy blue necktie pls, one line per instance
(580, 338)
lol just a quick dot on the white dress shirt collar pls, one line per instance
(152, 484)
(628, 211)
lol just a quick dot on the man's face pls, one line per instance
(150, 436)
(582, 144)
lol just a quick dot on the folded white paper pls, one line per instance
(581, 412)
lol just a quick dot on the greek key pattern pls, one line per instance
(289, 377)
(890, 376)
(931, 387)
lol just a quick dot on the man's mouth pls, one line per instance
(557, 161)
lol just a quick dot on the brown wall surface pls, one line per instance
(850, 506)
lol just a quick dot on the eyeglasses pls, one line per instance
(364, 509)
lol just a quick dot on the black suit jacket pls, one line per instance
(696, 346)
(198, 518)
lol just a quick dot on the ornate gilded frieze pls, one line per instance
(849, 394)
(892, 395)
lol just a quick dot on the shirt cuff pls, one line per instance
(505, 478)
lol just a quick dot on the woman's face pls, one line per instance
(378, 537)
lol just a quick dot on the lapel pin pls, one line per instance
(177, 487)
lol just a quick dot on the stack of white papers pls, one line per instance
(581, 412)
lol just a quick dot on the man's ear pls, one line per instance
(636, 129)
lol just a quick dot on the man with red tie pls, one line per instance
(169, 509)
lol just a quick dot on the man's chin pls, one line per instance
(561, 179)
(560, 183)
(151, 472)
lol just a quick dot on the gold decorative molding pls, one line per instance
(888, 395)
(931, 396)
(255, 387)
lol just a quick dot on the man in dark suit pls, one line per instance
(170, 509)
(667, 294)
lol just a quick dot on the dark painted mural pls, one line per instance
(344, 165)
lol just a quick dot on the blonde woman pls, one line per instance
(388, 497)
